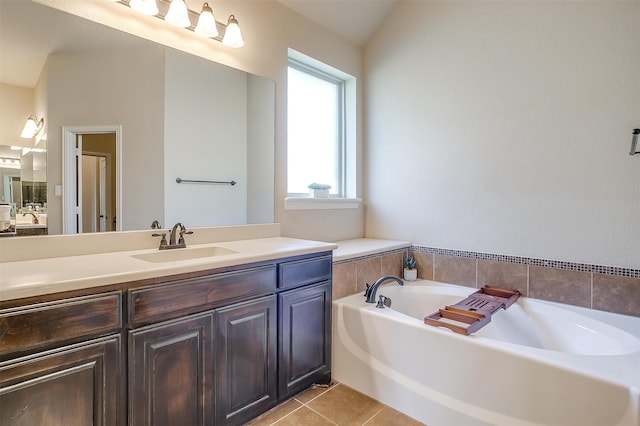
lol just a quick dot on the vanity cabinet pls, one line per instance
(216, 347)
(246, 360)
(305, 346)
(211, 359)
(304, 324)
(170, 371)
(61, 362)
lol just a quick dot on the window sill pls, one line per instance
(301, 203)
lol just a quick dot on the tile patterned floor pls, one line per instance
(338, 405)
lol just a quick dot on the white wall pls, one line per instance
(504, 127)
(260, 152)
(269, 29)
(205, 126)
(16, 104)
(71, 82)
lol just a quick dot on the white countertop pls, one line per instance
(27, 278)
(358, 247)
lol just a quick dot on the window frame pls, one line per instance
(341, 135)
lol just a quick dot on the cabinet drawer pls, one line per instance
(42, 324)
(305, 271)
(177, 298)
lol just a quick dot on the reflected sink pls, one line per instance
(174, 255)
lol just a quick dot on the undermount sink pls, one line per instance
(174, 255)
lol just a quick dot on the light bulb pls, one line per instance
(146, 7)
(232, 36)
(178, 14)
(207, 22)
(31, 127)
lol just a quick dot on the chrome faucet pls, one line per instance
(172, 236)
(178, 229)
(370, 292)
(35, 219)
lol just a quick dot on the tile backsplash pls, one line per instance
(599, 287)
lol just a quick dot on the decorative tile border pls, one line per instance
(572, 266)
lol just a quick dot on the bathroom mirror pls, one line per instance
(180, 116)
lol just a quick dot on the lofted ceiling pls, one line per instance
(29, 32)
(353, 20)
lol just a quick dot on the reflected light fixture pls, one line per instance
(178, 14)
(9, 163)
(146, 7)
(206, 22)
(232, 35)
(32, 127)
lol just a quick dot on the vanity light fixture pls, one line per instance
(32, 127)
(206, 22)
(232, 36)
(178, 14)
(175, 12)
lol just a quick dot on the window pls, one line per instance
(316, 146)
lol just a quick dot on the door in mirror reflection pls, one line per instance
(95, 187)
(91, 168)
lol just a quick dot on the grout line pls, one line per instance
(434, 265)
(371, 418)
(433, 270)
(591, 294)
(477, 273)
(323, 416)
(286, 415)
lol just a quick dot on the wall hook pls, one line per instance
(634, 142)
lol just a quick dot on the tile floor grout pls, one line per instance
(343, 394)
(320, 414)
(372, 417)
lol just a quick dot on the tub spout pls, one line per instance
(370, 292)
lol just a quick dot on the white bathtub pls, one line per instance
(537, 363)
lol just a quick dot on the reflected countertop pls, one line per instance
(27, 278)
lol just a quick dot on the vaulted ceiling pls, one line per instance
(34, 31)
(353, 20)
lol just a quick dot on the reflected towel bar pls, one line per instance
(231, 182)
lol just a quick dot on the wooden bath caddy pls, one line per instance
(475, 310)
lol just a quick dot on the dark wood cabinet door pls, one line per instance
(73, 385)
(246, 372)
(305, 338)
(171, 373)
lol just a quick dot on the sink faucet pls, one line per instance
(181, 233)
(178, 229)
(370, 292)
(172, 235)
(35, 219)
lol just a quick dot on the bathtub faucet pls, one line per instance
(370, 292)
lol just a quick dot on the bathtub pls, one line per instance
(536, 363)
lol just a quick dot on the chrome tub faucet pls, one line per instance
(370, 292)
